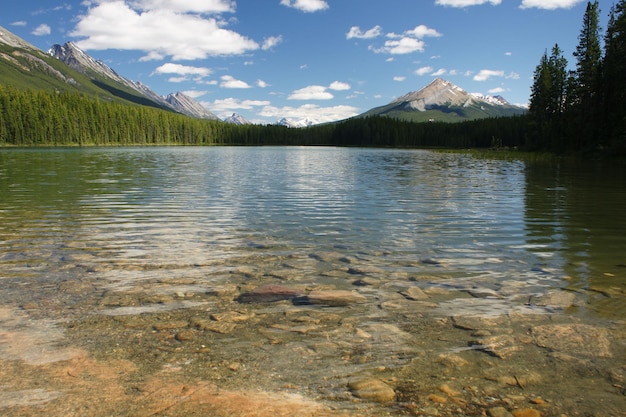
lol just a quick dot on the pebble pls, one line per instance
(526, 412)
(372, 389)
(268, 294)
(437, 399)
(499, 412)
(333, 298)
(445, 388)
(184, 335)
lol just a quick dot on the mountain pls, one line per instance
(444, 101)
(187, 105)
(296, 123)
(237, 119)
(68, 68)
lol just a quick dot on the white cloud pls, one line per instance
(261, 84)
(228, 105)
(401, 46)
(439, 72)
(307, 6)
(171, 68)
(508, 53)
(357, 33)
(272, 41)
(421, 31)
(228, 81)
(19, 23)
(312, 92)
(42, 30)
(195, 93)
(466, 3)
(399, 78)
(339, 86)
(485, 74)
(496, 90)
(513, 76)
(188, 6)
(164, 31)
(312, 111)
(423, 71)
(549, 4)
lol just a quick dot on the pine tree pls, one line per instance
(588, 54)
(613, 79)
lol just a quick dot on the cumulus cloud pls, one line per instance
(355, 32)
(171, 68)
(549, 4)
(272, 41)
(312, 92)
(401, 46)
(228, 105)
(466, 3)
(160, 28)
(308, 6)
(339, 86)
(228, 81)
(496, 90)
(422, 31)
(485, 74)
(261, 84)
(439, 72)
(424, 70)
(399, 78)
(318, 92)
(184, 6)
(312, 111)
(42, 30)
(408, 42)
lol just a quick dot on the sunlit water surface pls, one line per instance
(79, 224)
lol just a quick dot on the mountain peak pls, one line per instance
(187, 105)
(237, 119)
(442, 100)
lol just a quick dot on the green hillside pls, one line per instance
(31, 69)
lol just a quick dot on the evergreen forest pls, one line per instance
(571, 111)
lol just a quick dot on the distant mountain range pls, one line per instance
(68, 68)
(444, 101)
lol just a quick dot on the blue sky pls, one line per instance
(322, 59)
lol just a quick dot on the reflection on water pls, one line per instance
(485, 283)
(193, 206)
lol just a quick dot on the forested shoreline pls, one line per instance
(583, 110)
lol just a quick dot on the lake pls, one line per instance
(444, 283)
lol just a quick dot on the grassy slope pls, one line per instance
(30, 74)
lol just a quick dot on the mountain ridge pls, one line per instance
(442, 100)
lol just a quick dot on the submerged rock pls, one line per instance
(332, 298)
(268, 294)
(372, 389)
(575, 339)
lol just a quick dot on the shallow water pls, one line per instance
(136, 258)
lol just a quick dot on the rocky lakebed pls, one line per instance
(326, 333)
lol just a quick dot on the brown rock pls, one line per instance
(574, 339)
(526, 412)
(499, 412)
(437, 399)
(415, 293)
(268, 294)
(372, 389)
(184, 335)
(334, 298)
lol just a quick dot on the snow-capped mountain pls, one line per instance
(76, 58)
(306, 122)
(237, 119)
(442, 100)
(189, 106)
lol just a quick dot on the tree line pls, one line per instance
(584, 108)
(570, 111)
